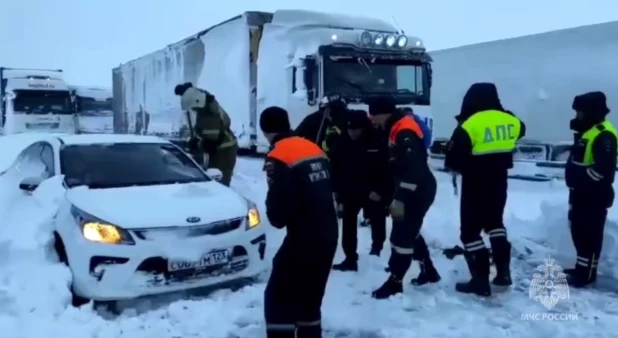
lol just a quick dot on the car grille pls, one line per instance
(210, 229)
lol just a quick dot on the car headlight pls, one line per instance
(253, 218)
(96, 230)
(106, 233)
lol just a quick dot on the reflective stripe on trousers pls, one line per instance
(292, 327)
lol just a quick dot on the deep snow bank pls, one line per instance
(34, 286)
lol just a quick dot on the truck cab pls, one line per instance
(324, 53)
(35, 100)
(93, 109)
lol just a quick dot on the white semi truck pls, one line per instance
(537, 77)
(289, 58)
(35, 100)
(93, 107)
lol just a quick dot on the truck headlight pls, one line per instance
(253, 218)
(106, 233)
(402, 41)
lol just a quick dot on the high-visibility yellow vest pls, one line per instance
(492, 131)
(588, 138)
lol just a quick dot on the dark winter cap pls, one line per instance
(275, 120)
(358, 119)
(479, 97)
(593, 104)
(182, 88)
(382, 106)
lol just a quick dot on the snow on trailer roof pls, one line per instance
(288, 17)
(84, 139)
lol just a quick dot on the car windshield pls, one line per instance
(42, 102)
(127, 164)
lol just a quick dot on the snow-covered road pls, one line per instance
(34, 296)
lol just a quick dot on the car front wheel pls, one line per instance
(76, 300)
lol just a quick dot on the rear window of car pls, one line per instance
(127, 164)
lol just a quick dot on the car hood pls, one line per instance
(160, 205)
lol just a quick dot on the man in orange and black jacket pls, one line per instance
(300, 199)
(415, 192)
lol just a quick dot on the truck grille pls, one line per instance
(216, 228)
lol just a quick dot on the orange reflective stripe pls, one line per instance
(408, 123)
(295, 149)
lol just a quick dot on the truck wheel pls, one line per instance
(76, 300)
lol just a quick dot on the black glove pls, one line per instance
(193, 144)
(451, 253)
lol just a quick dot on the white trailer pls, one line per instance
(35, 100)
(289, 58)
(537, 77)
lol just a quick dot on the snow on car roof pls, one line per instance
(83, 139)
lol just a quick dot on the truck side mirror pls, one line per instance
(309, 71)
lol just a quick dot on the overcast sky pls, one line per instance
(87, 38)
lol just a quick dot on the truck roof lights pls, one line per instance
(390, 40)
(378, 40)
(366, 39)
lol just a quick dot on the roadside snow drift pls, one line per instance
(34, 294)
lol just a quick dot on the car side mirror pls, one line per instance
(30, 184)
(214, 174)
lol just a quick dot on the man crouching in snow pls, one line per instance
(415, 192)
(300, 199)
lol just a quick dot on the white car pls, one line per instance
(141, 217)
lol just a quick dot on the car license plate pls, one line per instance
(211, 259)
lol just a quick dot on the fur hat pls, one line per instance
(192, 98)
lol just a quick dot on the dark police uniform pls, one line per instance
(300, 199)
(589, 174)
(415, 191)
(481, 150)
(360, 166)
(324, 126)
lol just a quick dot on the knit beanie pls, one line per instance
(275, 120)
(382, 106)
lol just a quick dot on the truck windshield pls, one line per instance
(90, 106)
(353, 78)
(42, 102)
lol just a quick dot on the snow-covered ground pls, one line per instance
(34, 298)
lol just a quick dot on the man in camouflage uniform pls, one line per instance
(212, 133)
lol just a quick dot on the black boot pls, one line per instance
(581, 276)
(346, 265)
(428, 273)
(375, 251)
(478, 264)
(391, 287)
(501, 250)
(309, 332)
